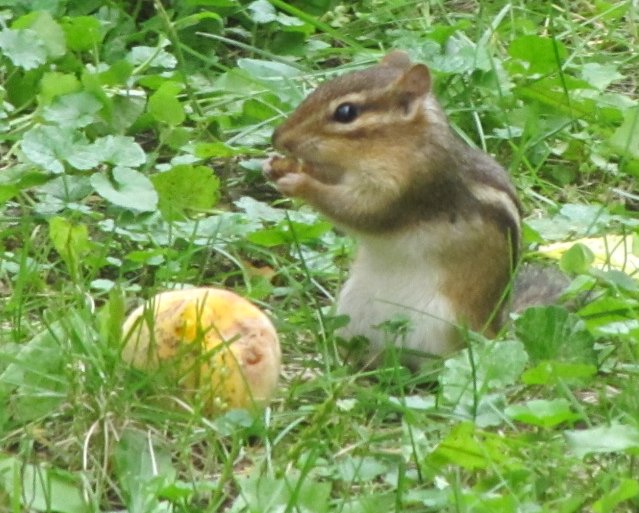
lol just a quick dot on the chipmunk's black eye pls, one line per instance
(345, 112)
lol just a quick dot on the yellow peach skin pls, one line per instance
(614, 251)
(215, 343)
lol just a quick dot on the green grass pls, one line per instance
(98, 101)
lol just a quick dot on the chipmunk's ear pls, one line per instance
(396, 59)
(414, 82)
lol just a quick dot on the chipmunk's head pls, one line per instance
(347, 124)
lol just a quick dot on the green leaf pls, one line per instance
(263, 493)
(217, 149)
(288, 232)
(50, 146)
(268, 69)
(608, 315)
(55, 83)
(604, 439)
(543, 413)
(117, 74)
(541, 53)
(125, 110)
(261, 11)
(255, 209)
(470, 448)
(127, 188)
(496, 365)
(47, 29)
(553, 333)
(151, 56)
(186, 188)
(572, 219)
(40, 488)
(34, 382)
(358, 469)
(83, 33)
(17, 178)
(617, 279)
(600, 76)
(627, 489)
(119, 150)
(71, 241)
(552, 372)
(23, 47)
(626, 137)
(73, 110)
(143, 467)
(164, 105)
(577, 260)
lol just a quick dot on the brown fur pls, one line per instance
(396, 166)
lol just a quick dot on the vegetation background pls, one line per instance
(132, 135)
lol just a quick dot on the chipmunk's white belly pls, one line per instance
(403, 279)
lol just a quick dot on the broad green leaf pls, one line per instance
(33, 382)
(83, 33)
(373, 503)
(48, 30)
(71, 241)
(55, 83)
(541, 53)
(357, 469)
(600, 75)
(577, 260)
(118, 73)
(164, 105)
(268, 69)
(470, 448)
(213, 150)
(41, 488)
(604, 439)
(73, 110)
(17, 178)
(126, 188)
(259, 492)
(143, 467)
(617, 279)
(287, 232)
(259, 210)
(543, 413)
(186, 188)
(23, 47)
(119, 150)
(50, 146)
(125, 110)
(572, 219)
(261, 11)
(151, 56)
(609, 315)
(495, 365)
(552, 372)
(553, 333)
(627, 489)
(68, 188)
(626, 137)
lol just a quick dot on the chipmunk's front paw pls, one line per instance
(276, 167)
(291, 176)
(293, 184)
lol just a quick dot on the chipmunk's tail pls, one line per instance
(537, 285)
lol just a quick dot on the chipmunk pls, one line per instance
(437, 223)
